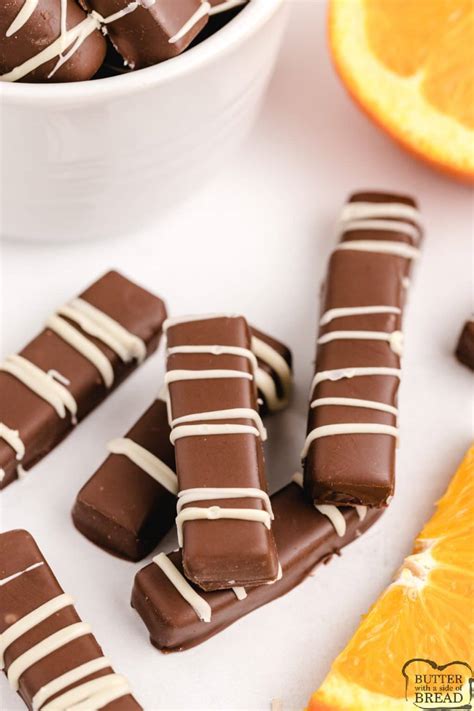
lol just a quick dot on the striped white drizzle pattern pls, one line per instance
(181, 428)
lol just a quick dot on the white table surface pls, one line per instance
(256, 240)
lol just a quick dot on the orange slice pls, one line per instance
(425, 614)
(410, 66)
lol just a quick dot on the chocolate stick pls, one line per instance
(88, 347)
(224, 513)
(349, 453)
(129, 504)
(179, 615)
(49, 655)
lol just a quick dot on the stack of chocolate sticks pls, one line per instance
(196, 456)
(348, 455)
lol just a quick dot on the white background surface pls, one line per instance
(256, 240)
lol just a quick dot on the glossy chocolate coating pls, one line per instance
(465, 347)
(23, 594)
(358, 469)
(304, 537)
(143, 36)
(40, 31)
(220, 553)
(123, 509)
(40, 428)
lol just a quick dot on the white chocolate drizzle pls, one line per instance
(329, 510)
(347, 428)
(235, 413)
(179, 375)
(98, 324)
(381, 226)
(175, 376)
(211, 430)
(354, 402)
(179, 320)
(335, 516)
(363, 210)
(359, 372)
(42, 649)
(395, 249)
(342, 312)
(226, 5)
(11, 577)
(63, 22)
(145, 460)
(13, 439)
(22, 17)
(200, 606)
(276, 362)
(214, 513)
(187, 496)
(240, 593)
(361, 512)
(201, 12)
(62, 35)
(394, 338)
(84, 346)
(131, 7)
(42, 384)
(266, 385)
(217, 351)
(26, 623)
(91, 695)
(66, 679)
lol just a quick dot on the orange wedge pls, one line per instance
(426, 614)
(410, 65)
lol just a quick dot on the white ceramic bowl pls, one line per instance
(102, 158)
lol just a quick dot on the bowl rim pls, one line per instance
(249, 20)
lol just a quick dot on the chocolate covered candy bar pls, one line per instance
(88, 347)
(349, 453)
(179, 615)
(49, 40)
(224, 513)
(465, 347)
(129, 504)
(50, 656)
(150, 31)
